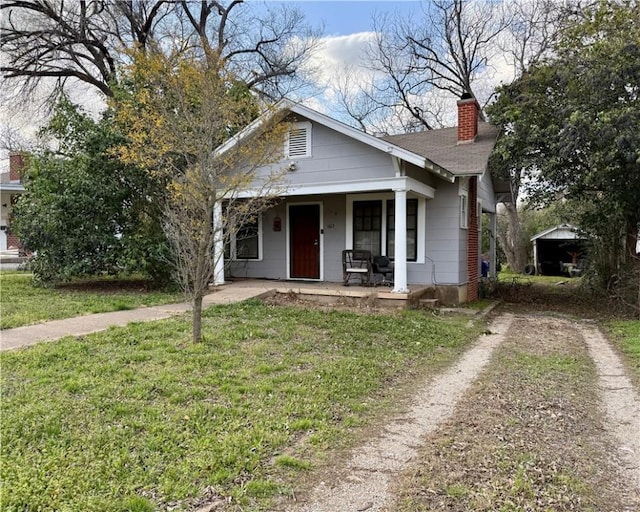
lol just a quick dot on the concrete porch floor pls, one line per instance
(328, 292)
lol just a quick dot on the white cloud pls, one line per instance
(335, 59)
(335, 54)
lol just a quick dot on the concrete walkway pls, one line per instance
(78, 326)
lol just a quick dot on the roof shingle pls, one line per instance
(442, 148)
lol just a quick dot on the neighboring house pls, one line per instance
(558, 250)
(10, 188)
(418, 198)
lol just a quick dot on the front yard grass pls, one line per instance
(22, 303)
(626, 334)
(141, 419)
(509, 277)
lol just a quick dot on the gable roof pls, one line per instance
(569, 230)
(421, 160)
(433, 150)
(441, 146)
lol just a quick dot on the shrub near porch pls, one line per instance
(136, 418)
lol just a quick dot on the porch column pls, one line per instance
(218, 245)
(493, 258)
(400, 243)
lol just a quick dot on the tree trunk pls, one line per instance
(196, 324)
(511, 240)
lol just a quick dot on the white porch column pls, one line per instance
(400, 243)
(218, 245)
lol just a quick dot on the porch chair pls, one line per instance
(356, 262)
(382, 265)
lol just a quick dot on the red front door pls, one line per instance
(304, 243)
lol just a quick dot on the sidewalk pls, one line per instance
(78, 326)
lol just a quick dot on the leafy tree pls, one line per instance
(572, 125)
(422, 64)
(69, 41)
(84, 212)
(177, 112)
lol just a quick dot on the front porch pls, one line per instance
(337, 293)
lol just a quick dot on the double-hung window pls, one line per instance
(374, 225)
(367, 226)
(412, 229)
(464, 210)
(247, 241)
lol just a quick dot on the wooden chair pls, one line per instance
(356, 262)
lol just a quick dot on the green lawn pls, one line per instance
(506, 276)
(21, 303)
(627, 334)
(135, 418)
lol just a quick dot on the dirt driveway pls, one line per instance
(537, 415)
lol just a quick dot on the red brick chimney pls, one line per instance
(16, 164)
(468, 112)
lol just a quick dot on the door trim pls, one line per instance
(321, 241)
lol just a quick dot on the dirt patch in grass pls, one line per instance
(354, 305)
(529, 436)
(565, 296)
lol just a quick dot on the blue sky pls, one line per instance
(350, 17)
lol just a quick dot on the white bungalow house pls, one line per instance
(418, 198)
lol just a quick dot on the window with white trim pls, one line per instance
(246, 242)
(411, 227)
(374, 227)
(298, 143)
(367, 226)
(464, 210)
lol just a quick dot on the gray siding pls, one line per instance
(335, 158)
(486, 193)
(334, 236)
(338, 158)
(421, 175)
(444, 236)
(274, 262)
(445, 242)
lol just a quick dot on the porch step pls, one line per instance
(429, 303)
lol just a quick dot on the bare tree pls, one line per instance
(265, 49)
(533, 27)
(186, 121)
(449, 53)
(78, 40)
(195, 240)
(419, 66)
(84, 40)
(418, 63)
(12, 140)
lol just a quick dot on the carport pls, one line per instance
(558, 251)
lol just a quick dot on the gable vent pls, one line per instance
(299, 140)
